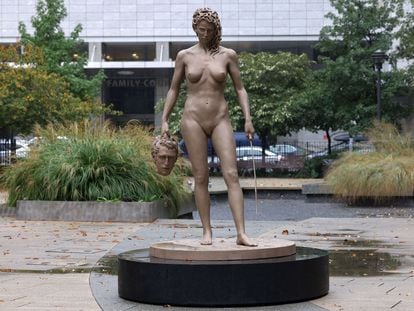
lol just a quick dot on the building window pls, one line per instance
(295, 47)
(175, 47)
(131, 52)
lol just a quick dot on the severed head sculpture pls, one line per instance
(164, 151)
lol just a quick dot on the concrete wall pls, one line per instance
(98, 211)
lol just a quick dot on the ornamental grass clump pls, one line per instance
(379, 176)
(92, 162)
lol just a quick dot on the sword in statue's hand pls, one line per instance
(254, 171)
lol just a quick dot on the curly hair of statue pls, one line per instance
(163, 140)
(210, 16)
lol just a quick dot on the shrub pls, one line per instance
(387, 172)
(316, 167)
(89, 162)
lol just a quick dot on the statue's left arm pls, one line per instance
(242, 96)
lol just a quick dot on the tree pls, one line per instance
(317, 108)
(62, 55)
(341, 95)
(272, 81)
(30, 95)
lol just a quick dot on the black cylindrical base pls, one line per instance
(300, 277)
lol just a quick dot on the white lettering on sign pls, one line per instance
(131, 82)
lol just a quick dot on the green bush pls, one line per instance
(317, 167)
(90, 162)
(387, 172)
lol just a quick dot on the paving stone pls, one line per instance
(38, 258)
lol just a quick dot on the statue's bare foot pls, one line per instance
(207, 238)
(242, 239)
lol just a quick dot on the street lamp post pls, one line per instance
(378, 58)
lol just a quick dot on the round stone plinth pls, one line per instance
(222, 249)
(218, 283)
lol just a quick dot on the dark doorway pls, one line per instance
(134, 97)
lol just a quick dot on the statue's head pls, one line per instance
(209, 16)
(164, 151)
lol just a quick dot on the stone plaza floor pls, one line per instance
(46, 265)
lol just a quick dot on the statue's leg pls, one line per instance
(196, 144)
(225, 147)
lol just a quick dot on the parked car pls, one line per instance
(286, 149)
(282, 149)
(247, 153)
(344, 137)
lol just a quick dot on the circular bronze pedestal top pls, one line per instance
(222, 249)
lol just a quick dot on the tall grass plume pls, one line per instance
(386, 173)
(93, 161)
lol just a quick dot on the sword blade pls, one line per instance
(254, 175)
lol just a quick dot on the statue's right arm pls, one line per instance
(174, 91)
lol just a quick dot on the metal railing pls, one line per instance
(8, 148)
(286, 156)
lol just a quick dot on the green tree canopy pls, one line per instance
(63, 54)
(272, 81)
(342, 95)
(30, 95)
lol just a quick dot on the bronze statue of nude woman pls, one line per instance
(205, 67)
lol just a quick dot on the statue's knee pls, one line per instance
(201, 179)
(231, 176)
